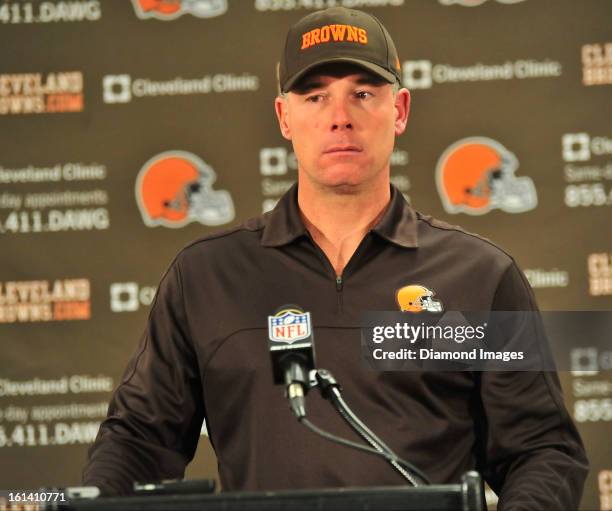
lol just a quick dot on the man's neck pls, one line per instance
(339, 221)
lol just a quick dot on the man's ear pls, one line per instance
(282, 112)
(402, 109)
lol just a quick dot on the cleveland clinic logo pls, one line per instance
(167, 10)
(582, 146)
(477, 174)
(276, 161)
(130, 296)
(424, 74)
(123, 88)
(589, 361)
(576, 147)
(117, 88)
(417, 74)
(584, 361)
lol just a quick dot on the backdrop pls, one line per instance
(107, 106)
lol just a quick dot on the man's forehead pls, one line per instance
(328, 73)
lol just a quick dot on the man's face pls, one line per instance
(342, 122)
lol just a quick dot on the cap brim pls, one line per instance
(364, 64)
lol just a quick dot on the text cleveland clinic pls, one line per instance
(216, 83)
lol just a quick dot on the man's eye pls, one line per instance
(315, 98)
(363, 94)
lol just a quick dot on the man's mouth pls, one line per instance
(342, 149)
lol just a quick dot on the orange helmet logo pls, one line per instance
(171, 9)
(476, 175)
(417, 298)
(174, 189)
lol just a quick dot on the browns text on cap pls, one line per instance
(338, 34)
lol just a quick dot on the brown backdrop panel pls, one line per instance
(94, 96)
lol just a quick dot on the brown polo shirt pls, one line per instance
(204, 355)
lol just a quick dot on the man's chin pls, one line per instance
(346, 188)
(342, 186)
(345, 179)
(343, 176)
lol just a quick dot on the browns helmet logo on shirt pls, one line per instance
(174, 189)
(171, 9)
(417, 298)
(477, 174)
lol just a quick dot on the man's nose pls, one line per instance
(341, 117)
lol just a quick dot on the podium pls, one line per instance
(466, 496)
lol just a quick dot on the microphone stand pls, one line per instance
(331, 391)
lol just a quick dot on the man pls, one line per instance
(342, 242)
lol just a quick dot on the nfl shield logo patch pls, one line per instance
(289, 325)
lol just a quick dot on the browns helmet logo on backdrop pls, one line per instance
(476, 175)
(174, 189)
(172, 9)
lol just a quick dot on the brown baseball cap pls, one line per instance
(338, 34)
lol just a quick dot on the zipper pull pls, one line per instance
(339, 283)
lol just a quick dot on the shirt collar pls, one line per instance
(284, 223)
(398, 225)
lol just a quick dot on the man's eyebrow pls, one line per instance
(314, 83)
(307, 86)
(370, 80)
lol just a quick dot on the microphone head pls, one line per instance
(290, 337)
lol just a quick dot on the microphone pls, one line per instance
(291, 346)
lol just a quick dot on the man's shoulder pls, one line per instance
(438, 234)
(248, 233)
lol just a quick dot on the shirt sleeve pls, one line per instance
(534, 458)
(155, 415)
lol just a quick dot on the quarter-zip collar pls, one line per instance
(284, 223)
